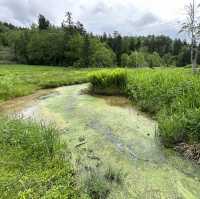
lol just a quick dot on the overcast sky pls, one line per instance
(129, 17)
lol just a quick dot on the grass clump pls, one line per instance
(173, 96)
(114, 175)
(108, 81)
(96, 186)
(33, 162)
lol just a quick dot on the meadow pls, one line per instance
(22, 80)
(35, 157)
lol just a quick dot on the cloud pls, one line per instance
(146, 20)
(128, 17)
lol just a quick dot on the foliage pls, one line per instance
(87, 52)
(153, 60)
(33, 164)
(173, 95)
(136, 59)
(125, 60)
(104, 57)
(45, 48)
(43, 23)
(183, 58)
(71, 45)
(116, 79)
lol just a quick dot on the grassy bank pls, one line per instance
(34, 163)
(21, 80)
(170, 94)
(173, 95)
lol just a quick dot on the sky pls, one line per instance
(129, 17)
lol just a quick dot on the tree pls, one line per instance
(153, 60)
(117, 46)
(73, 52)
(168, 60)
(124, 60)
(177, 46)
(191, 26)
(86, 52)
(184, 58)
(136, 59)
(103, 57)
(43, 23)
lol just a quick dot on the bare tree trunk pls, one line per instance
(194, 55)
(194, 50)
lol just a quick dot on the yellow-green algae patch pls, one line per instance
(108, 131)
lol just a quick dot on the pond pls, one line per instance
(107, 132)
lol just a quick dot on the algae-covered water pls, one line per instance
(107, 132)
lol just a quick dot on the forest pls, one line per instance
(71, 45)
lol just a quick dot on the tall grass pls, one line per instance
(174, 97)
(108, 81)
(33, 164)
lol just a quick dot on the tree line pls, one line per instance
(71, 45)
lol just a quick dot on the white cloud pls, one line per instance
(127, 16)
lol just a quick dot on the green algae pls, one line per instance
(108, 131)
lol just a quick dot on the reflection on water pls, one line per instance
(103, 131)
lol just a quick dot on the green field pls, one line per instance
(21, 80)
(170, 95)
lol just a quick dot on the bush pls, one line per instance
(115, 80)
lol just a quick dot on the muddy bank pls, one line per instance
(191, 152)
(16, 105)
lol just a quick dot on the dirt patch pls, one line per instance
(191, 152)
(17, 104)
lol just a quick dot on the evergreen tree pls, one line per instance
(86, 52)
(43, 23)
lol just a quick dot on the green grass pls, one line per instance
(34, 163)
(108, 81)
(21, 80)
(173, 96)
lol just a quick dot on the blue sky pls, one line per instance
(129, 17)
